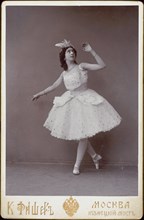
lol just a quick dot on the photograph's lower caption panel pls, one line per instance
(71, 207)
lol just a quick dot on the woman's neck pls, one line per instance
(70, 65)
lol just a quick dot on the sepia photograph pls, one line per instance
(71, 110)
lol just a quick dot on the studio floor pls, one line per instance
(57, 179)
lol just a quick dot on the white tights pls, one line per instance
(83, 145)
(81, 149)
(91, 151)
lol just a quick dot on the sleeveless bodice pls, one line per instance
(75, 78)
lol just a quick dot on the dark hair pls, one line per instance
(62, 57)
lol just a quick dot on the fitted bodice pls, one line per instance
(75, 78)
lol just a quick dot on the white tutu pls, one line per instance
(74, 117)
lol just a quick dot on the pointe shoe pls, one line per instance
(96, 159)
(76, 171)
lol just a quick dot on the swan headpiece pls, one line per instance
(64, 44)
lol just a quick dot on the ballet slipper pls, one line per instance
(96, 159)
(76, 170)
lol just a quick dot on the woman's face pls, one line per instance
(70, 54)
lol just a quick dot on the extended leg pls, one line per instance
(82, 146)
(95, 157)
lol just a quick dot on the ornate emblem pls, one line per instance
(70, 206)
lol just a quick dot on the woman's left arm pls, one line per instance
(87, 66)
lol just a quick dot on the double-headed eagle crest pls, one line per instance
(70, 206)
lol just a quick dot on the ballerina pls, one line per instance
(80, 112)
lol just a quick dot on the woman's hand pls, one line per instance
(35, 97)
(86, 47)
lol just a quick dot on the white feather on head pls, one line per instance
(64, 44)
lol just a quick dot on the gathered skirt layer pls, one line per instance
(74, 117)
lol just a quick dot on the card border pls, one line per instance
(136, 201)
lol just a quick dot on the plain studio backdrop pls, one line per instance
(32, 64)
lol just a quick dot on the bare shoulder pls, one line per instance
(83, 66)
(62, 74)
(60, 77)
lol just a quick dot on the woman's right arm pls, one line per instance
(49, 89)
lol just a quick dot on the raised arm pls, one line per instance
(87, 66)
(49, 89)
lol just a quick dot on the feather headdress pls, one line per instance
(64, 44)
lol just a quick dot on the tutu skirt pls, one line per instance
(74, 117)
